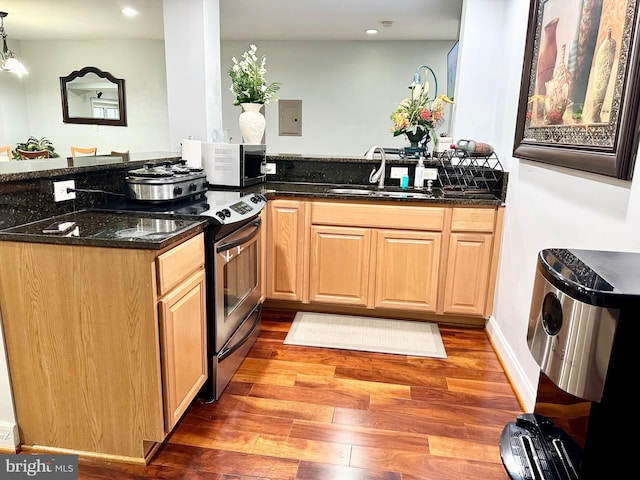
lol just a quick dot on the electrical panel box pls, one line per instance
(290, 117)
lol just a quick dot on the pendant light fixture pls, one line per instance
(8, 60)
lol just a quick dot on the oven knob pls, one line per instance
(220, 215)
(192, 187)
(227, 212)
(177, 190)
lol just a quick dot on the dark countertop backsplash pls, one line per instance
(26, 189)
(470, 173)
(27, 197)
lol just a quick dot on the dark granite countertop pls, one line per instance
(110, 229)
(16, 170)
(297, 176)
(322, 190)
(461, 179)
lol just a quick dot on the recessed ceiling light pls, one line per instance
(129, 12)
(371, 31)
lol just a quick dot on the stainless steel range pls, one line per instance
(233, 250)
(168, 181)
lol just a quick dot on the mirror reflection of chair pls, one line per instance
(26, 154)
(83, 151)
(5, 154)
(124, 154)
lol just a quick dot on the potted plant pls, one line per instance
(34, 144)
(418, 116)
(251, 91)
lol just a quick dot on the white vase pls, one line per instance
(252, 123)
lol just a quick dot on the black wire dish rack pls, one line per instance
(460, 171)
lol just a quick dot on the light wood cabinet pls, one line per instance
(263, 255)
(407, 270)
(287, 252)
(340, 264)
(472, 261)
(105, 346)
(371, 266)
(183, 341)
(430, 260)
(467, 273)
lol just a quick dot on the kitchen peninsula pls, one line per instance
(429, 257)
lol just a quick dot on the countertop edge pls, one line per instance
(138, 244)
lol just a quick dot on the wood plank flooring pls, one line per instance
(302, 413)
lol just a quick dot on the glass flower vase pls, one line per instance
(415, 138)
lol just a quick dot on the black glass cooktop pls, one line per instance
(111, 229)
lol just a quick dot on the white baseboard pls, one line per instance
(526, 391)
(9, 437)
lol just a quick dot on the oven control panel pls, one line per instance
(240, 209)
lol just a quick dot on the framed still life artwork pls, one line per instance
(579, 96)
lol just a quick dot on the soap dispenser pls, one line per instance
(418, 180)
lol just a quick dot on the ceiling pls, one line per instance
(269, 19)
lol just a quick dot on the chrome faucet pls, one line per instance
(379, 175)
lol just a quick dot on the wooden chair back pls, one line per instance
(5, 151)
(26, 154)
(83, 151)
(124, 155)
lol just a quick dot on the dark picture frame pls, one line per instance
(579, 93)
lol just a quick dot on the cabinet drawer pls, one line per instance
(465, 219)
(377, 216)
(176, 264)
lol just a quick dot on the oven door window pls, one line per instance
(240, 275)
(237, 280)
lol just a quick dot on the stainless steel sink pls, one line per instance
(403, 194)
(379, 193)
(351, 191)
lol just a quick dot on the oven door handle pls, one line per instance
(239, 241)
(225, 352)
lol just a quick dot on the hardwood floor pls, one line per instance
(302, 413)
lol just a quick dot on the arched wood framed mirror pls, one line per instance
(91, 96)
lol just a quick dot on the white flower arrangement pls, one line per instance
(247, 79)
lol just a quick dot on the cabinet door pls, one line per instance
(339, 270)
(286, 256)
(407, 270)
(467, 276)
(263, 256)
(183, 343)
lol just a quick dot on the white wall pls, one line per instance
(192, 44)
(546, 206)
(14, 119)
(348, 90)
(140, 63)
